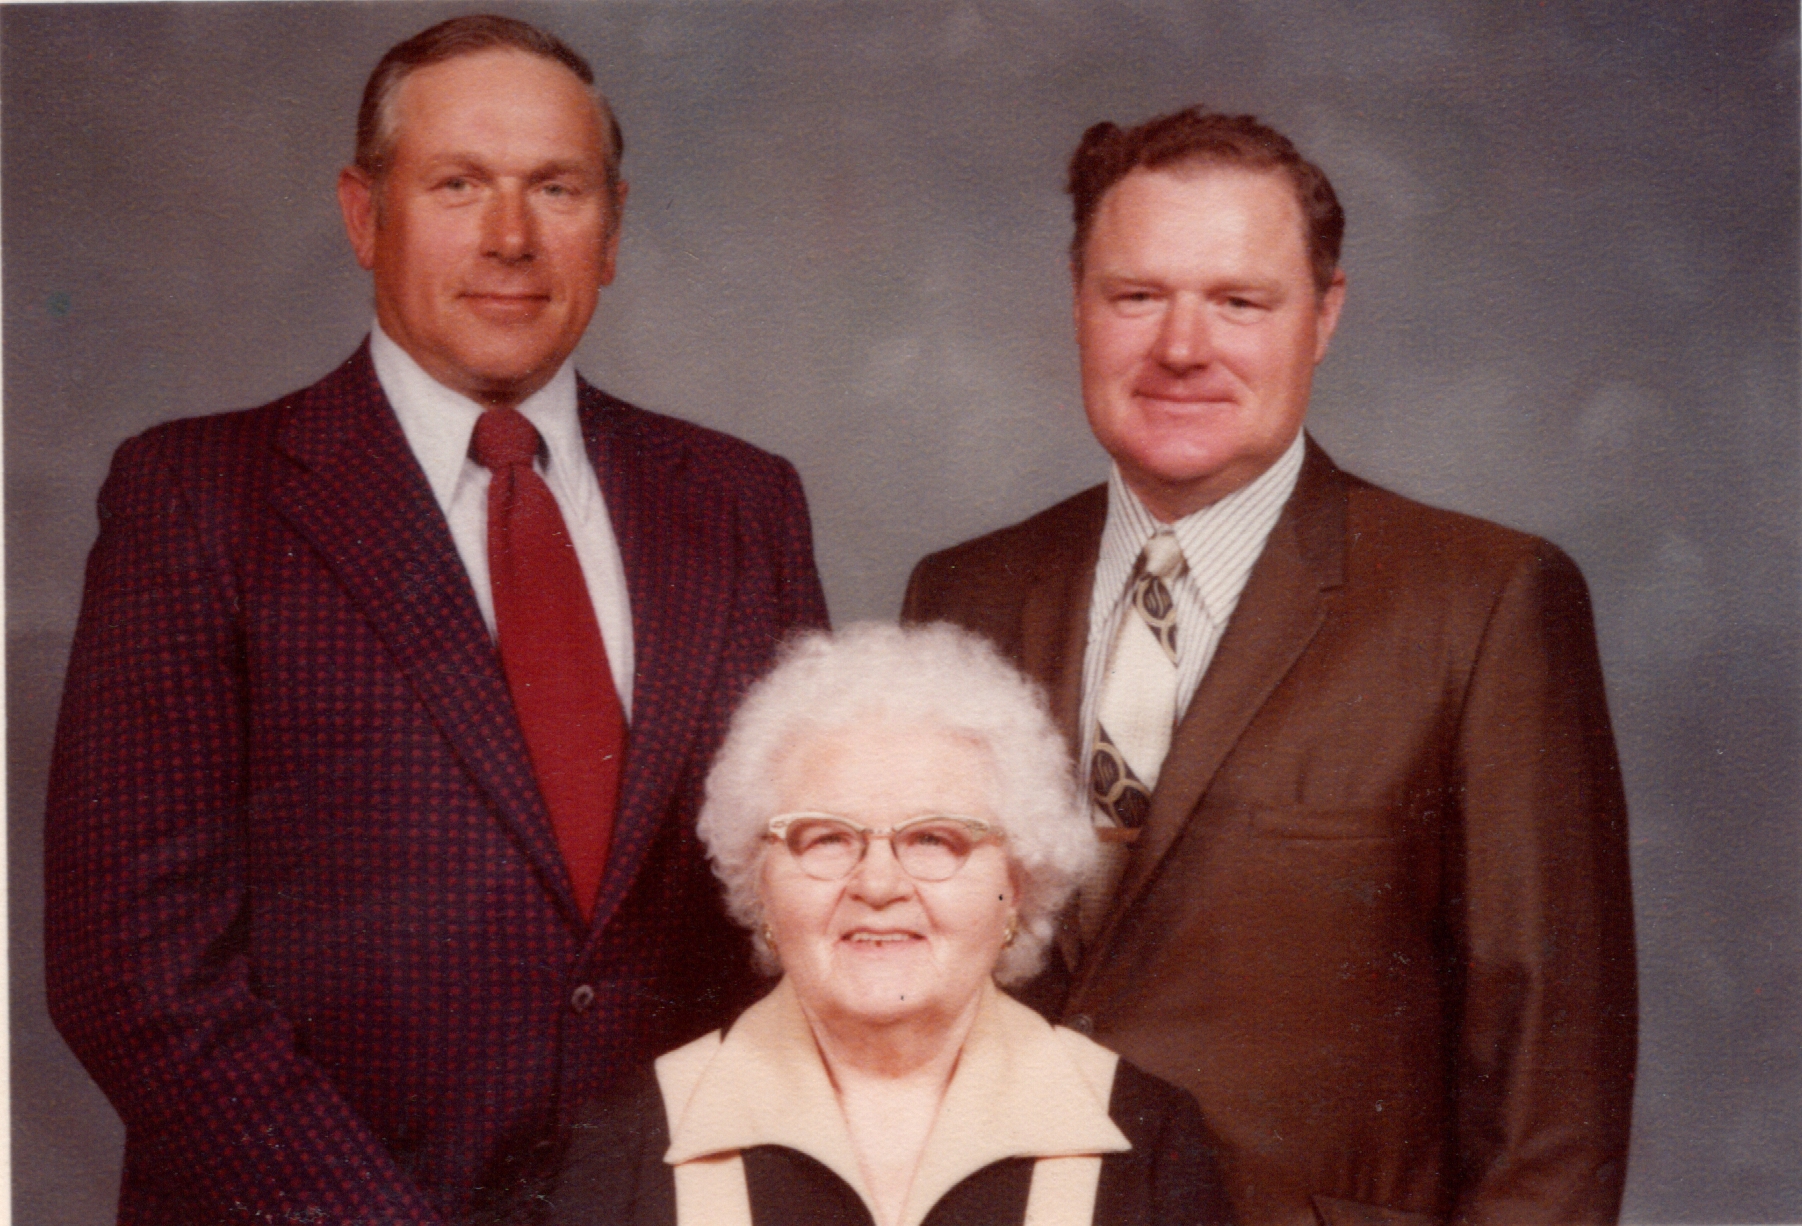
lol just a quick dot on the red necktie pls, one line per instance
(551, 651)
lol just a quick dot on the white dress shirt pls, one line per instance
(438, 424)
(1220, 543)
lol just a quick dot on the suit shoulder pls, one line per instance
(222, 454)
(231, 436)
(980, 583)
(1007, 552)
(707, 452)
(1393, 534)
(234, 430)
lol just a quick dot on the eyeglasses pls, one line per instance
(930, 848)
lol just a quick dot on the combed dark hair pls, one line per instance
(446, 41)
(1107, 153)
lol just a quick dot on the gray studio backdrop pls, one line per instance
(1573, 265)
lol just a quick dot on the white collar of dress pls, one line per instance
(1022, 1088)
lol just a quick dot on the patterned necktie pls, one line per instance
(1137, 707)
(1135, 715)
(551, 651)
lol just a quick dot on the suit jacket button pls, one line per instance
(1081, 1023)
(582, 999)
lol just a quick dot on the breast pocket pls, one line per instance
(1351, 879)
(1306, 822)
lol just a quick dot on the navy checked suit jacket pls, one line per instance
(307, 924)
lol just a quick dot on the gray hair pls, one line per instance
(937, 675)
(448, 40)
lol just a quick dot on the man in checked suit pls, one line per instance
(350, 902)
(1367, 887)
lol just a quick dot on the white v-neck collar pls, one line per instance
(1022, 1088)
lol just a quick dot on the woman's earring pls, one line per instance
(1008, 936)
(769, 938)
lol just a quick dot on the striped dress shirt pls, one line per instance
(438, 423)
(1219, 543)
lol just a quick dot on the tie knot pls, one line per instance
(503, 438)
(1163, 556)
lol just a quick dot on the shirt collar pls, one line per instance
(1020, 1089)
(1246, 514)
(438, 421)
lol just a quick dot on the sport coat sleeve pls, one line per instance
(802, 600)
(1546, 1039)
(147, 910)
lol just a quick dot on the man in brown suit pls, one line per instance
(1368, 894)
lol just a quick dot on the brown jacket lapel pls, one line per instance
(1054, 624)
(1282, 608)
(1054, 640)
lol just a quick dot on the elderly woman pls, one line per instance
(894, 820)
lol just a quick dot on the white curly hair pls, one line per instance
(937, 675)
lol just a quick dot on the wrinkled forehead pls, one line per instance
(1196, 214)
(1272, 186)
(493, 81)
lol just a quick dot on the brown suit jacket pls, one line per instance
(1378, 921)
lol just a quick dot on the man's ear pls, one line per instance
(1331, 303)
(356, 199)
(610, 243)
(1076, 295)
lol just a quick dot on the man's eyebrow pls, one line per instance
(466, 161)
(1121, 277)
(559, 168)
(474, 161)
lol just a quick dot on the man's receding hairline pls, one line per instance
(1193, 166)
(1197, 136)
(388, 110)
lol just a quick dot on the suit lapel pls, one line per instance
(1054, 640)
(1054, 623)
(357, 495)
(672, 542)
(1281, 610)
